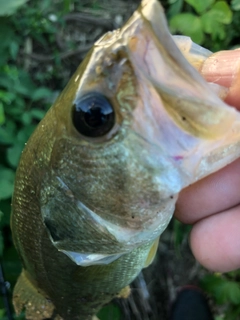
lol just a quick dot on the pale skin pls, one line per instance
(212, 205)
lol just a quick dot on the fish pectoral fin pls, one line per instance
(152, 253)
(26, 295)
(124, 293)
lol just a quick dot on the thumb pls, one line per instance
(223, 68)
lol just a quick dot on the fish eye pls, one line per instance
(93, 115)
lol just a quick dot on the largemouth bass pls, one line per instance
(98, 180)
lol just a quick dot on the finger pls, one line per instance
(223, 68)
(215, 193)
(215, 241)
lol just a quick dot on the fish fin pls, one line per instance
(124, 293)
(152, 253)
(26, 295)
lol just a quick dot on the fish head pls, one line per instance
(134, 126)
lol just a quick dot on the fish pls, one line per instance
(98, 179)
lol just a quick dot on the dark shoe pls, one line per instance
(190, 304)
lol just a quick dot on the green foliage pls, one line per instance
(200, 6)
(182, 22)
(18, 118)
(224, 290)
(110, 311)
(1, 239)
(10, 6)
(181, 231)
(24, 100)
(235, 5)
(205, 21)
(6, 182)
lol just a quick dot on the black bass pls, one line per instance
(98, 180)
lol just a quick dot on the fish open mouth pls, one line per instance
(178, 111)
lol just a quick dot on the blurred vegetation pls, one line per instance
(225, 290)
(39, 52)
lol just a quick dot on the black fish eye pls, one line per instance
(93, 115)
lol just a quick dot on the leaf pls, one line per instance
(175, 8)
(14, 153)
(180, 233)
(233, 292)
(187, 24)
(2, 114)
(111, 311)
(37, 114)
(5, 207)
(16, 109)
(7, 133)
(235, 4)
(200, 5)
(17, 81)
(232, 313)
(227, 292)
(7, 97)
(213, 21)
(41, 93)
(25, 84)
(212, 27)
(211, 281)
(24, 134)
(221, 12)
(6, 182)
(14, 48)
(5, 81)
(2, 313)
(26, 118)
(1, 243)
(9, 7)
(6, 33)
(223, 290)
(11, 264)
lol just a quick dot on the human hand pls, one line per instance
(212, 204)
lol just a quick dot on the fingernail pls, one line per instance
(223, 68)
